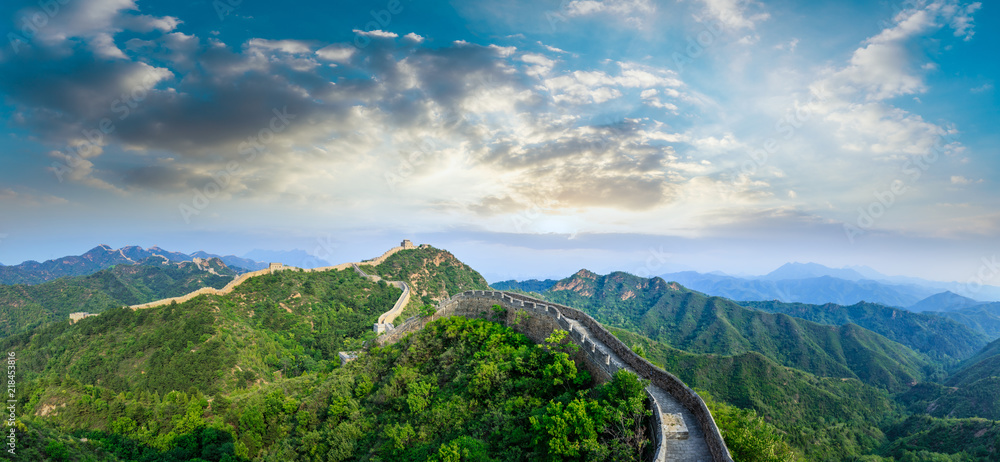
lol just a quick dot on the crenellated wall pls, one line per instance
(601, 353)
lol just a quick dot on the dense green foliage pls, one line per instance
(25, 306)
(697, 323)
(748, 437)
(924, 438)
(461, 389)
(942, 339)
(824, 418)
(285, 323)
(476, 387)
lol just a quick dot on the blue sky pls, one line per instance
(646, 136)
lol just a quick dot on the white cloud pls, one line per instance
(337, 53)
(285, 46)
(982, 88)
(733, 14)
(376, 33)
(790, 45)
(961, 180)
(856, 96)
(552, 48)
(414, 37)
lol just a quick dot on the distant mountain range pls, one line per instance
(817, 284)
(103, 257)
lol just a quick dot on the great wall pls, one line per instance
(684, 429)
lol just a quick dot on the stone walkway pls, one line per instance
(691, 449)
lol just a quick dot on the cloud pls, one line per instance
(9, 196)
(856, 97)
(552, 48)
(492, 110)
(414, 38)
(982, 88)
(733, 14)
(337, 53)
(376, 33)
(285, 46)
(961, 180)
(618, 7)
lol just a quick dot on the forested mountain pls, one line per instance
(23, 306)
(694, 322)
(984, 317)
(254, 375)
(941, 339)
(744, 358)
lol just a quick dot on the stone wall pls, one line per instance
(544, 317)
(659, 377)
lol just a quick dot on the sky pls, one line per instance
(531, 138)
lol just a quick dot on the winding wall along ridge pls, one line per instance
(604, 354)
(245, 276)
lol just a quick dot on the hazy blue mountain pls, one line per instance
(811, 270)
(944, 301)
(813, 290)
(103, 257)
(296, 257)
